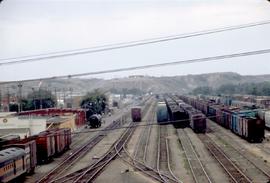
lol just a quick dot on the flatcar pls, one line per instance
(94, 121)
(162, 112)
(136, 114)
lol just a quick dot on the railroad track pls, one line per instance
(90, 173)
(197, 169)
(138, 161)
(259, 165)
(93, 171)
(77, 154)
(163, 156)
(231, 169)
(142, 145)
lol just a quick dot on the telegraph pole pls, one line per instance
(56, 99)
(20, 97)
(64, 97)
(0, 100)
(71, 99)
(34, 98)
(8, 99)
(40, 99)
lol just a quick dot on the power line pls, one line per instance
(108, 47)
(205, 59)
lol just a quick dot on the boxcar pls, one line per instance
(162, 112)
(136, 114)
(197, 121)
(12, 164)
(45, 147)
(253, 129)
(67, 132)
(265, 116)
(59, 139)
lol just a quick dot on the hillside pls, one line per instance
(181, 84)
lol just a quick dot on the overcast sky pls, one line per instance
(40, 26)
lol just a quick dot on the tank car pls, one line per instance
(162, 112)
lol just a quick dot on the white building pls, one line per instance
(21, 125)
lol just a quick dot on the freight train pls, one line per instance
(243, 122)
(182, 115)
(18, 157)
(136, 114)
(197, 120)
(177, 115)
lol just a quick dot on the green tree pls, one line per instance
(95, 102)
(40, 98)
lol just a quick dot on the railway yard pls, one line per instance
(135, 91)
(125, 151)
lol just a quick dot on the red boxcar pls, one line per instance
(59, 138)
(67, 132)
(45, 146)
(136, 114)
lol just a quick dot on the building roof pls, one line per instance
(10, 153)
(56, 120)
(6, 114)
(14, 131)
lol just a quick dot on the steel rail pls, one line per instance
(75, 155)
(169, 164)
(159, 156)
(231, 169)
(145, 168)
(195, 164)
(89, 175)
(267, 174)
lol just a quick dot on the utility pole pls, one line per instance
(64, 98)
(56, 99)
(71, 99)
(34, 98)
(40, 99)
(8, 99)
(0, 100)
(20, 97)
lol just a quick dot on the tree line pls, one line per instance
(257, 89)
(94, 102)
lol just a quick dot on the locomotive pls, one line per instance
(94, 121)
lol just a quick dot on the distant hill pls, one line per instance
(182, 84)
